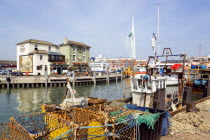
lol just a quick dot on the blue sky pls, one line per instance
(105, 24)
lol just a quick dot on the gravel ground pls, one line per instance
(191, 126)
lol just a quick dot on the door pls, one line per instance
(59, 70)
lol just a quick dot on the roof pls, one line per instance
(75, 43)
(39, 52)
(37, 42)
(45, 52)
(55, 53)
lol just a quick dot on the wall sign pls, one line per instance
(22, 48)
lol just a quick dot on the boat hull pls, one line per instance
(170, 82)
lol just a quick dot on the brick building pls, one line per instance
(117, 63)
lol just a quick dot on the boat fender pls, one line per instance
(146, 77)
(84, 102)
(166, 124)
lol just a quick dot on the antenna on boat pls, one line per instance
(158, 28)
(158, 34)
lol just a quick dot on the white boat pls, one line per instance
(148, 88)
(171, 80)
(72, 100)
(99, 66)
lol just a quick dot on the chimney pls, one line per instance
(65, 40)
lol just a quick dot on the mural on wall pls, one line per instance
(26, 63)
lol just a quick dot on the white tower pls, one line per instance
(132, 47)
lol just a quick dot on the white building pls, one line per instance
(36, 56)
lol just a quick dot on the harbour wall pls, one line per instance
(41, 81)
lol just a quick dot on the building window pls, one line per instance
(53, 58)
(74, 49)
(84, 50)
(49, 48)
(84, 58)
(74, 58)
(36, 47)
(56, 58)
(41, 56)
(60, 59)
(39, 67)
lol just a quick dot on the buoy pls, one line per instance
(96, 131)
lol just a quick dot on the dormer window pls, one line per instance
(36, 47)
(41, 57)
(74, 49)
(49, 48)
(84, 50)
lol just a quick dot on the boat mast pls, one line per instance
(158, 35)
(158, 30)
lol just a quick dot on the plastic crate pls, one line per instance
(143, 132)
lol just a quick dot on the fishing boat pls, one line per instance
(171, 79)
(72, 99)
(198, 72)
(148, 89)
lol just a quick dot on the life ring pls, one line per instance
(84, 102)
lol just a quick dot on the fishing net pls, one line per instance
(4, 130)
(98, 122)
(38, 126)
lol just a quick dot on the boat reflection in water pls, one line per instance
(19, 101)
(30, 99)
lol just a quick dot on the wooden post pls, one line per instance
(107, 78)
(121, 73)
(187, 96)
(116, 76)
(159, 99)
(46, 77)
(94, 77)
(8, 79)
(207, 89)
(73, 75)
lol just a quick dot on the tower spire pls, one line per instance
(133, 43)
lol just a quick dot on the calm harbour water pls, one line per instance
(20, 101)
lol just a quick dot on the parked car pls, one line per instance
(3, 72)
(16, 74)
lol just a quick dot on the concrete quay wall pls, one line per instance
(39, 81)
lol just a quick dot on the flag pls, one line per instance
(130, 34)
